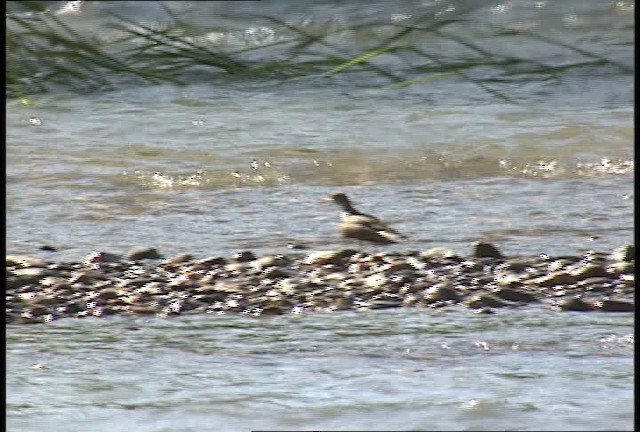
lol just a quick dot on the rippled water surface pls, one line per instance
(403, 370)
(226, 164)
(97, 179)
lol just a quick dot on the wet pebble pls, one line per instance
(347, 279)
(329, 257)
(23, 261)
(617, 306)
(441, 291)
(32, 275)
(589, 271)
(138, 254)
(515, 295)
(437, 254)
(485, 300)
(486, 250)
(622, 268)
(576, 304)
(624, 253)
(244, 256)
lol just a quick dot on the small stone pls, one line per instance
(415, 263)
(518, 265)
(589, 271)
(273, 310)
(275, 273)
(181, 284)
(142, 309)
(508, 279)
(559, 264)
(515, 295)
(115, 302)
(395, 267)
(622, 267)
(441, 291)
(617, 306)
(244, 256)
(596, 284)
(98, 257)
(328, 257)
(385, 304)
(437, 253)
(50, 281)
(553, 279)
(111, 310)
(297, 246)
(627, 279)
(212, 261)
(485, 300)
(138, 254)
(235, 268)
(375, 281)
(477, 265)
(74, 307)
(137, 282)
(22, 261)
(27, 318)
(32, 275)
(26, 296)
(65, 266)
(486, 250)
(286, 286)
(626, 253)
(409, 299)
(593, 257)
(576, 304)
(38, 310)
(44, 300)
(273, 295)
(87, 277)
(109, 293)
(270, 261)
(179, 259)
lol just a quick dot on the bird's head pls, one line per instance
(342, 200)
(338, 198)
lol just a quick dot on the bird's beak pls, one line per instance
(326, 200)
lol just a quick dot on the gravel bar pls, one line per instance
(143, 282)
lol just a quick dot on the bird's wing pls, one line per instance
(372, 223)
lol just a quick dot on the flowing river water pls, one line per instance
(224, 165)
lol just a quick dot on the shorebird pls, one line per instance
(360, 226)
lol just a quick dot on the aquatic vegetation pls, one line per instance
(46, 52)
